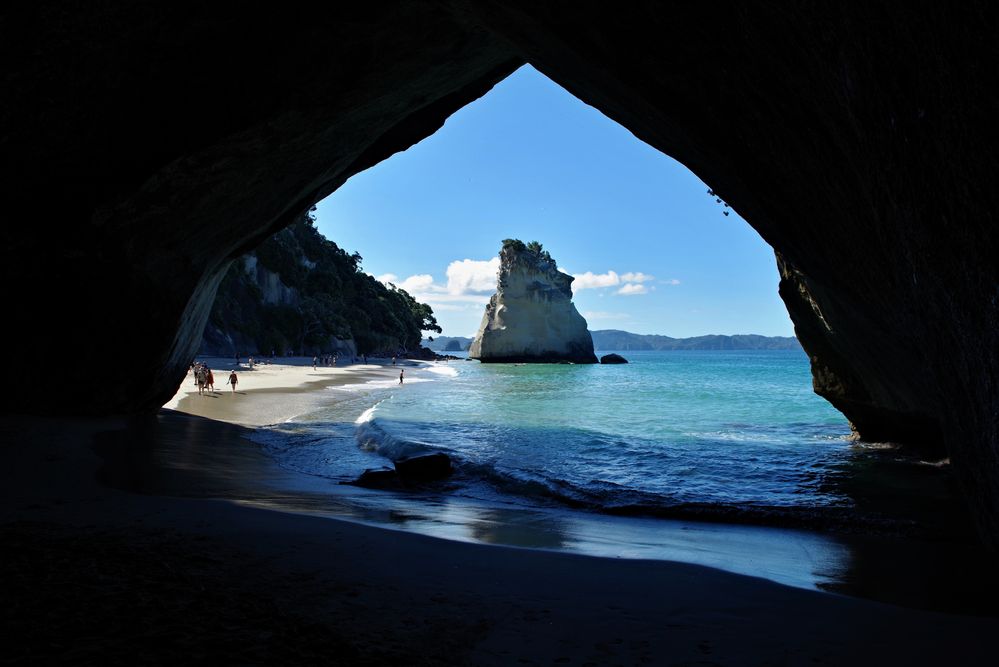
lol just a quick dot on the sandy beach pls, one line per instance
(270, 393)
(124, 546)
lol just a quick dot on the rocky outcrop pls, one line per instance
(531, 317)
(424, 467)
(613, 359)
(858, 139)
(409, 471)
(273, 291)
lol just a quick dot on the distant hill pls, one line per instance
(448, 343)
(612, 339)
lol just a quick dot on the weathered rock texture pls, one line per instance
(148, 144)
(531, 317)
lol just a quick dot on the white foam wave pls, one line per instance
(372, 385)
(443, 370)
(367, 415)
(371, 437)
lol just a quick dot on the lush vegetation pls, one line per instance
(534, 247)
(330, 298)
(520, 251)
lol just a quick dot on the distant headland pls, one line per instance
(615, 339)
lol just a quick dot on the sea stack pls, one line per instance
(531, 317)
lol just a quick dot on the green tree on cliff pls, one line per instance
(333, 298)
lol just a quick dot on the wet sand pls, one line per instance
(114, 555)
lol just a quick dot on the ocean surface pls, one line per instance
(722, 458)
(727, 433)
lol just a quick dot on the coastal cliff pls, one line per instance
(531, 317)
(299, 292)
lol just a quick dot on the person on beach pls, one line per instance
(314, 360)
(393, 361)
(233, 380)
(401, 371)
(200, 379)
(210, 379)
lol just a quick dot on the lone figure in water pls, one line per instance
(401, 371)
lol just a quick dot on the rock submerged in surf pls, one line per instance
(378, 478)
(412, 470)
(424, 468)
(613, 359)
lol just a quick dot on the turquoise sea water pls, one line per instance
(728, 432)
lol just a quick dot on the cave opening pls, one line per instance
(653, 250)
(854, 139)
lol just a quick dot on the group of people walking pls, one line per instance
(325, 360)
(205, 379)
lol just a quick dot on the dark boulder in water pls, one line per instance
(613, 359)
(378, 478)
(424, 468)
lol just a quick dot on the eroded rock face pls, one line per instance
(531, 317)
(152, 143)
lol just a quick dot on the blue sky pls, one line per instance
(652, 252)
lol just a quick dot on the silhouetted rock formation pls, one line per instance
(613, 359)
(531, 317)
(424, 468)
(859, 139)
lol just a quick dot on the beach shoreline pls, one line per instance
(168, 521)
(803, 553)
(270, 393)
(200, 573)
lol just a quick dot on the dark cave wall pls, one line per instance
(152, 143)
(155, 142)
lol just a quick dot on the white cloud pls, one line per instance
(636, 277)
(671, 281)
(422, 282)
(472, 276)
(440, 297)
(469, 286)
(631, 289)
(629, 280)
(448, 307)
(590, 280)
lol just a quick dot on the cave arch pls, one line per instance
(154, 144)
